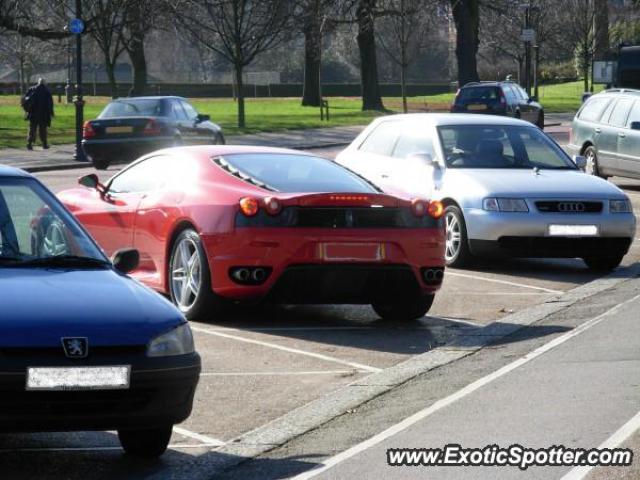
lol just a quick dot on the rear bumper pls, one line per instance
(551, 247)
(124, 149)
(160, 393)
(301, 273)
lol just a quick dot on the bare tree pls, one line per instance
(22, 54)
(579, 32)
(402, 34)
(466, 15)
(366, 38)
(238, 30)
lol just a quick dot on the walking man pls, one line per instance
(38, 105)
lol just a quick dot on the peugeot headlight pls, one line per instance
(505, 205)
(620, 206)
(178, 341)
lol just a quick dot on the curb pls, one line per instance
(324, 409)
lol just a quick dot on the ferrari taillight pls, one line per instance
(87, 130)
(272, 205)
(249, 206)
(435, 209)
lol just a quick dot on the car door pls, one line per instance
(513, 100)
(200, 133)
(111, 218)
(372, 159)
(182, 121)
(612, 133)
(409, 173)
(527, 111)
(629, 143)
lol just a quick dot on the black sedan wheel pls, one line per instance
(100, 163)
(603, 264)
(540, 121)
(405, 311)
(146, 443)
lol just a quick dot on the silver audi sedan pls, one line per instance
(508, 189)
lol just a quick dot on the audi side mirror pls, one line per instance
(126, 260)
(580, 161)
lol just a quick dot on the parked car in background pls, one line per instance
(508, 188)
(82, 345)
(130, 127)
(498, 98)
(606, 130)
(224, 224)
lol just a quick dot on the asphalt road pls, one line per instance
(263, 363)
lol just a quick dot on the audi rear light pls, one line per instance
(152, 128)
(87, 130)
(249, 206)
(272, 205)
(419, 207)
(435, 209)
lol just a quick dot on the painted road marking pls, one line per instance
(209, 441)
(250, 374)
(469, 389)
(503, 282)
(91, 449)
(319, 356)
(613, 441)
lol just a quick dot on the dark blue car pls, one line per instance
(82, 345)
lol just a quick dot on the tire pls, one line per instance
(146, 443)
(591, 155)
(457, 252)
(603, 264)
(406, 311)
(100, 163)
(199, 299)
(540, 121)
(517, 114)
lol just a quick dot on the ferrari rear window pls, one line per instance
(285, 172)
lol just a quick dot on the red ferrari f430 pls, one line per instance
(221, 224)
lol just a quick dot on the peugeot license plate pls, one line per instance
(573, 230)
(78, 378)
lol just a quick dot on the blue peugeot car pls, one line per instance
(82, 345)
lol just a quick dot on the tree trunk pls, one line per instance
(371, 99)
(312, 62)
(139, 65)
(466, 15)
(111, 76)
(240, 95)
(601, 30)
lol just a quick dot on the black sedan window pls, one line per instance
(293, 173)
(133, 108)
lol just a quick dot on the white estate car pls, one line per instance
(507, 187)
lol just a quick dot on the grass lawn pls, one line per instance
(263, 114)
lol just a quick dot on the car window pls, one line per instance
(145, 176)
(634, 116)
(191, 112)
(33, 224)
(509, 94)
(593, 109)
(293, 173)
(500, 146)
(382, 140)
(412, 142)
(133, 108)
(479, 94)
(620, 112)
(178, 111)
(522, 93)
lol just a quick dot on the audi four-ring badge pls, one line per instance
(82, 345)
(507, 187)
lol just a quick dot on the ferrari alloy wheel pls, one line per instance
(456, 247)
(49, 239)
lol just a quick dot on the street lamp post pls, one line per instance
(77, 27)
(527, 52)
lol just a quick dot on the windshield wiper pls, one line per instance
(61, 261)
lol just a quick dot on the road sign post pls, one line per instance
(76, 27)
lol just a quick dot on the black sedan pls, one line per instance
(130, 127)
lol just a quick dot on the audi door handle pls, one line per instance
(384, 175)
(598, 130)
(622, 135)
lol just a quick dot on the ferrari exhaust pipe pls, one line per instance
(242, 274)
(258, 275)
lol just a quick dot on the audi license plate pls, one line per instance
(573, 230)
(78, 378)
(345, 252)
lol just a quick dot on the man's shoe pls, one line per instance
(29, 147)
(45, 146)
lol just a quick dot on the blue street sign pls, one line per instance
(76, 26)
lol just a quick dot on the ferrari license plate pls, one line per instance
(78, 378)
(573, 230)
(349, 252)
(119, 129)
(476, 106)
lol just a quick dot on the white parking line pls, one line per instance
(257, 374)
(503, 282)
(209, 441)
(469, 389)
(502, 293)
(613, 441)
(358, 366)
(288, 329)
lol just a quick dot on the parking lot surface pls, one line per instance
(261, 363)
